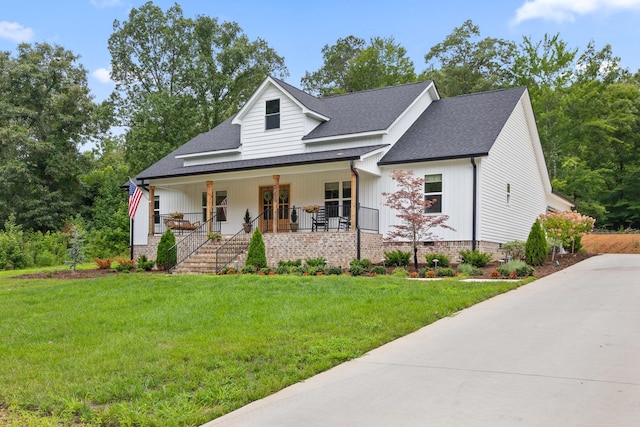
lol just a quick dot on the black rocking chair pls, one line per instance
(320, 220)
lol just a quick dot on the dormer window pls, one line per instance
(272, 118)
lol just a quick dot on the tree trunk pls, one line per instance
(415, 257)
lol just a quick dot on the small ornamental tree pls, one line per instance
(166, 258)
(256, 256)
(75, 253)
(535, 250)
(566, 227)
(416, 224)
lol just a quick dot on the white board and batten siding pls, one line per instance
(258, 142)
(457, 196)
(511, 162)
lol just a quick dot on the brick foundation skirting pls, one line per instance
(340, 248)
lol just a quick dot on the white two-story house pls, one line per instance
(287, 151)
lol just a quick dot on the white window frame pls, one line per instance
(436, 208)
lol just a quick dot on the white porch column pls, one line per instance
(209, 205)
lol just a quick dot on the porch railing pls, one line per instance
(327, 218)
(231, 249)
(194, 240)
(369, 219)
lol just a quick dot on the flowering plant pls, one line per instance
(311, 208)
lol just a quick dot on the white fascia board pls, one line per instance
(207, 153)
(347, 136)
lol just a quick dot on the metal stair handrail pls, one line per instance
(235, 245)
(193, 241)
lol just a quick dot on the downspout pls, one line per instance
(355, 172)
(475, 201)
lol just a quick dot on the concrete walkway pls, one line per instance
(561, 351)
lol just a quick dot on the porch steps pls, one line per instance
(203, 261)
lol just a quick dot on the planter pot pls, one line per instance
(294, 226)
(247, 228)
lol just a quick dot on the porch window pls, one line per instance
(433, 191)
(219, 207)
(272, 118)
(156, 209)
(337, 199)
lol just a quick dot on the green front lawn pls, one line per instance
(153, 349)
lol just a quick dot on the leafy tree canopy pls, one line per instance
(351, 65)
(177, 77)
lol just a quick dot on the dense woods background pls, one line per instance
(177, 77)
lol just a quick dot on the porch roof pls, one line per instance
(172, 167)
(458, 127)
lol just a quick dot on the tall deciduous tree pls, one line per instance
(351, 65)
(416, 224)
(45, 117)
(464, 63)
(177, 77)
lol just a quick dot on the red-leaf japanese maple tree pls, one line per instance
(416, 223)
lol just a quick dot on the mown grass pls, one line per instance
(150, 349)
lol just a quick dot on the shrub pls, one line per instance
(121, 264)
(397, 258)
(365, 264)
(469, 270)
(378, 269)
(495, 274)
(313, 271)
(356, 269)
(75, 254)
(535, 252)
(249, 269)
(145, 264)
(520, 267)
(475, 257)
(514, 249)
(430, 274)
(445, 272)
(257, 255)
(316, 262)
(443, 260)
(103, 264)
(400, 272)
(296, 263)
(165, 258)
(335, 270)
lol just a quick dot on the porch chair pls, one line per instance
(320, 220)
(344, 223)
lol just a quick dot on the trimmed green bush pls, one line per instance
(475, 257)
(445, 272)
(400, 272)
(145, 264)
(397, 258)
(333, 270)
(535, 252)
(443, 260)
(356, 269)
(257, 255)
(469, 270)
(520, 267)
(316, 262)
(378, 269)
(164, 258)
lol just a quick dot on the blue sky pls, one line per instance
(298, 30)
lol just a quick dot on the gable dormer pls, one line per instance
(274, 120)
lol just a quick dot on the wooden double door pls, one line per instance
(267, 206)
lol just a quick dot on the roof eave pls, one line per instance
(433, 159)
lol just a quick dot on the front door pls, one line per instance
(266, 208)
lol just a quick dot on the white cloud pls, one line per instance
(566, 10)
(15, 32)
(103, 75)
(106, 3)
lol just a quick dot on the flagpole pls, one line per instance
(132, 239)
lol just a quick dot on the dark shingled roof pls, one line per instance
(366, 111)
(458, 127)
(225, 136)
(171, 167)
(309, 101)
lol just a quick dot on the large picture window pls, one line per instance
(337, 198)
(433, 192)
(219, 205)
(272, 118)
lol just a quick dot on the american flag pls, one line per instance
(135, 195)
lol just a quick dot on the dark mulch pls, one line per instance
(78, 274)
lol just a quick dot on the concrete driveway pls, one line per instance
(561, 351)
